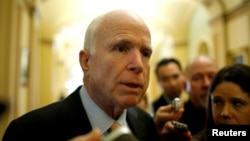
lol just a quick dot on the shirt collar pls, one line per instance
(97, 117)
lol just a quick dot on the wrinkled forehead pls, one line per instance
(114, 23)
(121, 20)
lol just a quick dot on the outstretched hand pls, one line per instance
(163, 120)
(165, 114)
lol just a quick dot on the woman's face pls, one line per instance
(230, 104)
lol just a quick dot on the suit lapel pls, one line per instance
(76, 122)
(136, 126)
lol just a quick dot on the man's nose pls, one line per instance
(206, 81)
(135, 62)
(173, 82)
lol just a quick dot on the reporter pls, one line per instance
(229, 96)
(229, 101)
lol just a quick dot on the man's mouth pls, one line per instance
(132, 85)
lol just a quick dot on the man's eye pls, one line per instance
(176, 76)
(146, 54)
(121, 48)
(164, 79)
(196, 78)
(211, 77)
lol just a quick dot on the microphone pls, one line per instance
(120, 134)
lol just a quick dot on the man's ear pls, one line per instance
(83, 59)
(187, 86)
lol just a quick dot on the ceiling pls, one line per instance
(58, 14)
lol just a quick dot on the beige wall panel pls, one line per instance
(238, 32)
(45, 74)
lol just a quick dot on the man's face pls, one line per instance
(199, 78)
(171, 79)
(119, 69)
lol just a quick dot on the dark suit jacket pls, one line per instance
(161, 101)
(194, 117)
(67, 118)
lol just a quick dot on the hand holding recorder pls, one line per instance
(166, 118)
(169, 112)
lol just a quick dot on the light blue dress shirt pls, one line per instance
(97, 117)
